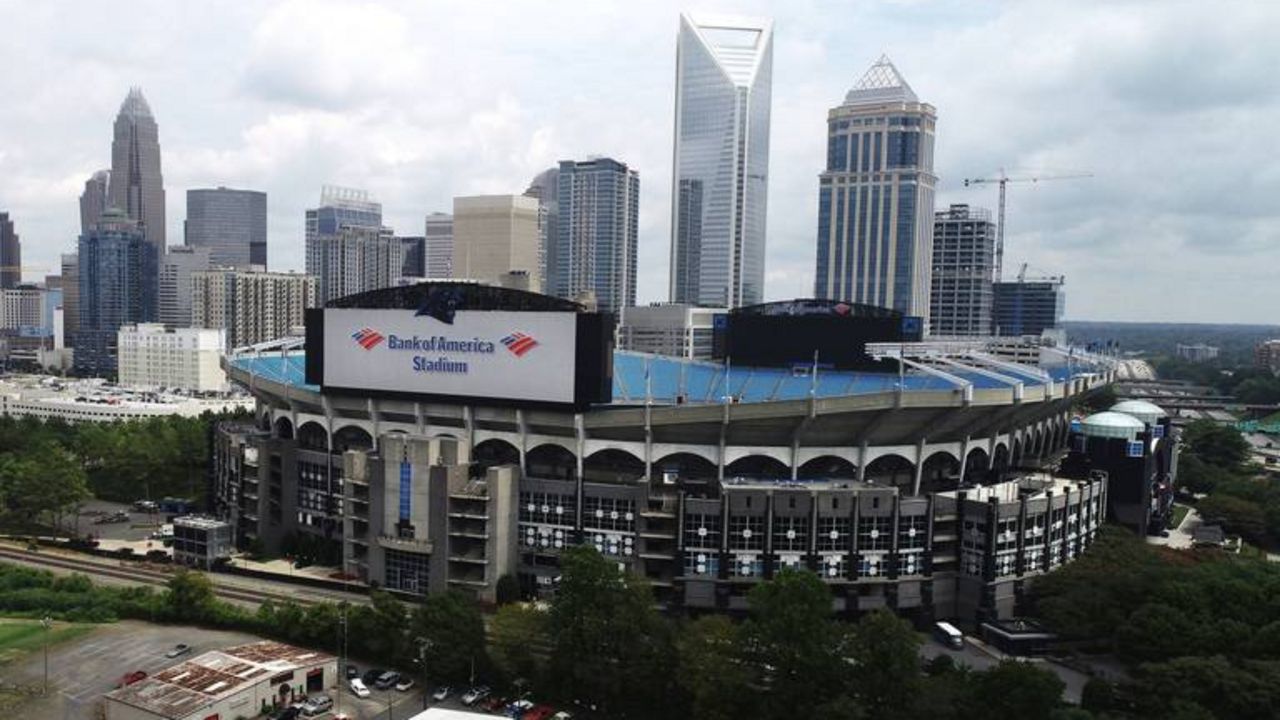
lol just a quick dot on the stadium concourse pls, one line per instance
(900, 488)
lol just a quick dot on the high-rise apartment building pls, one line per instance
(251, 307)
(438, 250)
(595, 251)
(495, 235)
(960, 301)
(176, 269)
(346, 240)
(24, 309)
(1028, 306)
(545, 187)
(358, 259)
(118, 273)
(875, 199)
(95, 199)
(71, 297)
(10, 253)
(136, 185)
(177, 359)
(415, 256)
(231, 223)
(719, 193)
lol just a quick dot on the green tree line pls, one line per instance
(1215, 461)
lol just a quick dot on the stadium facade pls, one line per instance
(922, 489)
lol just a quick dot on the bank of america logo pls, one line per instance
(519, 343)
(368, 338)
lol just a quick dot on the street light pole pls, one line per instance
(47, 623)
(342, 652)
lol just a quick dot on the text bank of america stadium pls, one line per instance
(441, 436)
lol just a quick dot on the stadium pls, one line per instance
(924, 488)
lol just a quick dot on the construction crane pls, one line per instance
(1002, 180)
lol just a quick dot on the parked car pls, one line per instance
(290, 713)
(493, 703)
(145, 506)
(179, 649)
(317, 705)
(371, 676)
(352, 671)
(518, 708)
(387, 680)
(133, 677)
(540, 712)
(475, 695)
(442, 693)
(358, 688)
(405, 684)
(115, 517)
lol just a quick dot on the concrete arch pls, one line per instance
(939, 470)
(313, 436)
(492, 453)
(612, 465)
(758, 466)
(679, 466)
(352, 437)
(904, 451)
(1000, 461)
(551, 460)
(593, 446)
(734, 453)
(828, 466)
(283, 428)
(662, 450)
(977, 465)
(891, 469)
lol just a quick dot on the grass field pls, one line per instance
(18, 637)
(1177, 516)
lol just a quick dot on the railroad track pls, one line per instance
(142, 575)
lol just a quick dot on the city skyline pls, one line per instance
(266, 125)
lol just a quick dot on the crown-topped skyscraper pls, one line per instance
(137, 186)
(875, 199)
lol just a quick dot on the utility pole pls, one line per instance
(342, 651)
(47, 623)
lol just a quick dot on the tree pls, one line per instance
(453, 631)
(1017, 690)
(1098, 695)
(1239, 516)
(887, 652)
(507, 589)
(609, 648)
(712, 670)
(189, 597)
(1221, 446)
(796, 650)
(518, 642)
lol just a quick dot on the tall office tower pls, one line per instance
(252, 307)
(95, 199)
(875, 199)
(136, 186)
(71, 297)
(719, 190)
(595, 250)
(439, 246)
(231, 223)
(118, 269)
(1029, 306)
(10, 254)
(545, 187)
(964, 243)
(176, 268)
(339, 207)
(415, 256)
(495, 235)
(357, 259)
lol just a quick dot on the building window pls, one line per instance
(746, 532)
(790, 534)
(407, 571)
(874, 533)
(702, 531)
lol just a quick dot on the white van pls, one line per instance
(948, 635)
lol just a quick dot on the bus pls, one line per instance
(948, 635)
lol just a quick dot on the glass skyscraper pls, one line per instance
(118, 286)
(598, 204)
(724, 68)
(875, 199)
(347, 219)
(231, 223)
(136, 185)
(10, 254)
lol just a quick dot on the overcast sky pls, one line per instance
(1168, 104)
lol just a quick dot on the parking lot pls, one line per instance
(82, 670)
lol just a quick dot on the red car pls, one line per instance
(539, 712)
(132, 678)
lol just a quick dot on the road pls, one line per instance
(979, 656)
(243, 591)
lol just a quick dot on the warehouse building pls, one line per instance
(239, 682)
